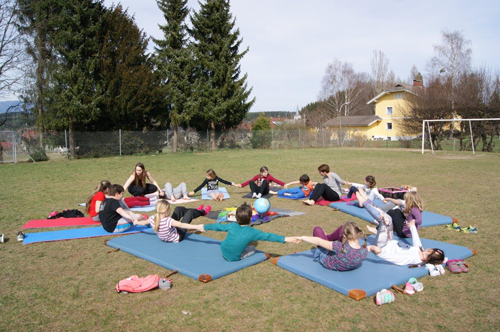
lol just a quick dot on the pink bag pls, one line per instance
(134, 284)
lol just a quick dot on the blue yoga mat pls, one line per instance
(146, 208)
(198, 257)
(78, 233)
(373, 275)
(428, 218)
(205, 196)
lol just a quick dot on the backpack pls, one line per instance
(134, 284)
(66, 214)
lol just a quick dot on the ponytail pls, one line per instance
(101, 187)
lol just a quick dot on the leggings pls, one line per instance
(123, 225)
(335, 236)
(398, 220)
(177, 192)
(185, 216)
(141, 191)
(137, 201)
(323, 190)
(263, 189)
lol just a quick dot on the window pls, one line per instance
(388, 111)
(399, 95)
(388, 126)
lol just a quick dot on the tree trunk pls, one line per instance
(212, 135)
(71, 138)
(176, 129)
(40, 84)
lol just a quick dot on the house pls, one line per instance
(389, 106)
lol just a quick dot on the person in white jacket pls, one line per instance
(370, 188)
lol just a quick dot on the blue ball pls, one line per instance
(262, 205)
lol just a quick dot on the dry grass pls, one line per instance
(69, 285)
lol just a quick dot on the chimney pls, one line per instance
(417, 83)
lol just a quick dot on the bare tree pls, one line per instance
(380, 71)
(414, 75)
(11, 54)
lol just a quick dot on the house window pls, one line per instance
(388, 111)
(399, 95)
(389, 125)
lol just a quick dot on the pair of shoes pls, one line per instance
(457, 266)
(2, 238)
(206, 210)
(454, 226)
(384, 296)
(258, 196)
(417, 286)
(20, 236)
(469, 229)
(254, 195)
(199, 208)
(409, 289)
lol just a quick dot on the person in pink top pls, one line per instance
(260, 183)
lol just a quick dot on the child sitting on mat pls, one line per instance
(370, 188)
(240, 234)
(114, 215)
(306, 186)
(259, 184)
(95, 200)
(212, 183)
(408, 209)
(173, 229)
(339, 251)
(415, 255)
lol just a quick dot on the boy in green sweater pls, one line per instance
(234, 247)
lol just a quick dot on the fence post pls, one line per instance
(299, 140)
(120, 140)
(66, 143)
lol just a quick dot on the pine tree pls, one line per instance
(174, 63)
(220, 96)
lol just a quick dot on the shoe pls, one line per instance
(53, 215)
(258, 196)
(469, 229)
(20, 236)
(254, 195)
(417, 286)
(454, 226)
(453, 266)
(206, 210)
(2, 238)
(384, 296)
(409, 289)
(199, 208)
(462, 266)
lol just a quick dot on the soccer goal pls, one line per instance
(452, 121)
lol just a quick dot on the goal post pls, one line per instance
(427, 122)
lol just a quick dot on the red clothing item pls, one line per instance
(136, 201)
(260, 178)
(97, 197)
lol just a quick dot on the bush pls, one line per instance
(261, 133)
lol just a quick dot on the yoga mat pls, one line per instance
(205, 196)
(373, 275)
(428, 218)
(80, 233)
(183, 201)
(281, 213)
(60, 222)
(146, 208)
(198, 257)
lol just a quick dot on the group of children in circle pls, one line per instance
(340, 251)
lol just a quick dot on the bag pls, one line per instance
(66, 214)
(134, 284)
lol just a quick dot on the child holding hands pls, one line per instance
(212, 183)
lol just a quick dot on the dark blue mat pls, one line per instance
(373, 275)
(428, 218)
(198, 257)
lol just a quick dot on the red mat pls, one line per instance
(60, 222)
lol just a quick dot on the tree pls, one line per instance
(415, 75)
(381, 77)
(174, 63)
(128, 85)
(11, 54)
(220, 96)
(261, 132)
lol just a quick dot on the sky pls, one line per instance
(292, 41)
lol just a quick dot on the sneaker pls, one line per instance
(258, 196)
(254, 195)
(384, 296)
(462, 266)
(453, 266)
(469, 229)
(409, 289)
(454, 226)
(20, 236)
(417, 286)
(199, 208)
(52, 215)
(206, 210)
(2, 238)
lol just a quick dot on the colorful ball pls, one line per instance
(262, 205)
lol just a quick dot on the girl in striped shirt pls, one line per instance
(174, 229)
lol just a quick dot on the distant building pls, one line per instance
(297, 116)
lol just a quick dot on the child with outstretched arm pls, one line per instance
(240, 234)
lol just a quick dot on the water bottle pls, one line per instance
(165, 284)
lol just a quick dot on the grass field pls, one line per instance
(69, 285)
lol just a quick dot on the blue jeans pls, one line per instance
(295, 192)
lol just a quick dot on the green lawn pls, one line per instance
(69, 285)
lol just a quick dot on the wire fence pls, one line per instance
(18, 146)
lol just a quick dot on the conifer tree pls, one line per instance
(220, 95)
(174, 63)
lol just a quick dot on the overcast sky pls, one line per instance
(292, 41)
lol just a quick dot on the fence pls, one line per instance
(31, 145)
